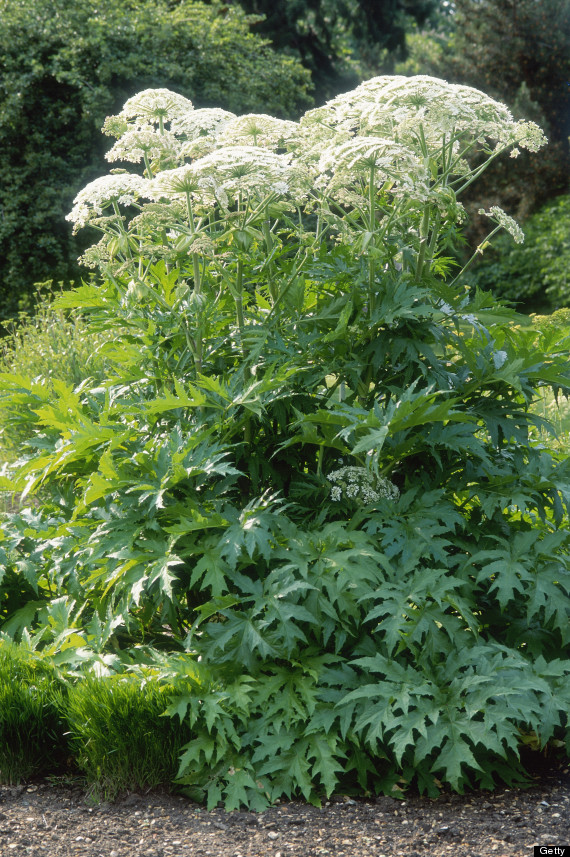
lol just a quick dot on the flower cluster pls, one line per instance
(138, 143)
(341, 165)
(371, 160)
(155, 106)
(421, 111)
(231, 173)
(90, 203)
(258, 129)
(208, 121)
(356, 483)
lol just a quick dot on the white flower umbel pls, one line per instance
(105, 192)
(421, 111)
(206, 122)
(258, 129)
(155, 107)
(502, 219)
(146, 144)
(356, 483)
(194, 149)
(342, 165)
(231, 173)
(184, 183)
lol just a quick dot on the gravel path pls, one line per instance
(45, 820)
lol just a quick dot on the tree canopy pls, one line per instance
(503, 45)
(340, 40)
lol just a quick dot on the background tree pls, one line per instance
(519, 51)
(505, 45)
(340, 41)
(65, 65)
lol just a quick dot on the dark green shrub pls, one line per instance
(65, 65)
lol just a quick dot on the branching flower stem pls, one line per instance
(148, 168)
(476, 173)
(475, 255)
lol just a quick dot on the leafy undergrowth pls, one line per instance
(115, 734)
(308, 521)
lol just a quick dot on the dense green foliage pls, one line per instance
(65, 65)
(536, 273)
(501, 45)
(307, 494)
(109, 730)
(554, 407)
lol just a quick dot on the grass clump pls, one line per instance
(32, 731)
(118, 734)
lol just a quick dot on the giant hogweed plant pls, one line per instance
(307, 494)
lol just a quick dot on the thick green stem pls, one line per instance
(269, 248)
(292, 278)
(424, 230)
(147, 165)
(247, 430)
(198, 349)
(239, 304)
(372, 229)
(431, 245)
(122, 230)
(320, 460)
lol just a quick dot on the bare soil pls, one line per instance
(57, 820)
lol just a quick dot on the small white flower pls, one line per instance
(528, 135)
(349, 162)
(357, 483)
(229, 173)
(411, 109)
(177, 182)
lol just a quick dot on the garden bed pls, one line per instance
(60, 821)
